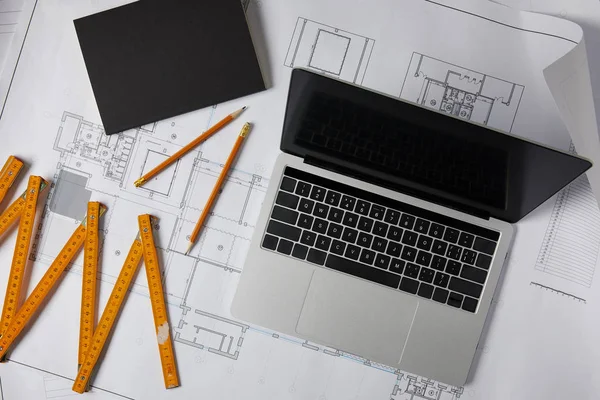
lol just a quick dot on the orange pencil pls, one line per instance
(211, 131)
(220, 180)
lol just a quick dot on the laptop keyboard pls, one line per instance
(379, 239)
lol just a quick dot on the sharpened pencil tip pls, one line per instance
(187, 252)
(237, 113)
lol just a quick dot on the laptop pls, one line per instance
(386, 224)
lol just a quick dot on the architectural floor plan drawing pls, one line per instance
(462, 92)
(411, 387)
(330, 51)
(200, 283)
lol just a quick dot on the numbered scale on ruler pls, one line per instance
(24, 209)
(50, 278)
(142, 247)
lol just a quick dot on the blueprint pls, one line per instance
(543, 314)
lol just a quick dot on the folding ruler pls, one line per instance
(143, 246)
(87, 229)
(8, 174)
(25, 208)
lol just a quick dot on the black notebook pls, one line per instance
(155, 59)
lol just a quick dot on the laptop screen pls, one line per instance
(421, 152)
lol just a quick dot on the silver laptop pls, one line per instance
(386, 224)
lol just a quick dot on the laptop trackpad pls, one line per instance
(355, 316)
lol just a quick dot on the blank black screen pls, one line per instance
(419, 151)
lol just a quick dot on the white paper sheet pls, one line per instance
(541, 337)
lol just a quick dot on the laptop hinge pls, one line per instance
(396, 187)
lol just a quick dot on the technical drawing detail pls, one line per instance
(330, 51)
(572, 241)
(461, 92)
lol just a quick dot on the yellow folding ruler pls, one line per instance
(88, 293)
(25, 208)
(143, 246)
(8, 174)
(54, 272)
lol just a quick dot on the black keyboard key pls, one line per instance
(335, 215)
(407, 221)
(285, 246)
(466, 240)
(392, 217)
(436, 230)
(409, 253)
(361, 271)
(362, 207)
(376, 212)
(380, 229)
(316, 256)
(317, 193)
(409, 285)
(426, 275)
(282, 230)
(395, 233)
(440, 295)
(410, 238)
(287, 200)
(288, 184)
(473, 274)
(352, 252)
(306, 206)
(349, 235)
(455, 299)
(424, 242)
(424, 258)
(333, 198)
(382, 261)
(469, 257)
(465, 287)
(305, 221)
(320, 225)
(397, 265)
(441, 279)
(284, 215)
(422, 226)
(270, 242)
(379, 244)
(308, 238)
(335, 230)
(365, 224)
(348, 203)
(364, 240)
(453, 267)
(454, 252)
(439, 247)
(483, 261)
(303, 189)
(394, 249)
(323, 243)
(425, 290)
(321, 210)
(299, 251)
(438, 263)
(350, 219)
(367, 256)
(451, 235)
(412, 270)
(484, 246)
(469, 304)
(338, 247)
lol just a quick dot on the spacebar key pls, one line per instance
(362, 271)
